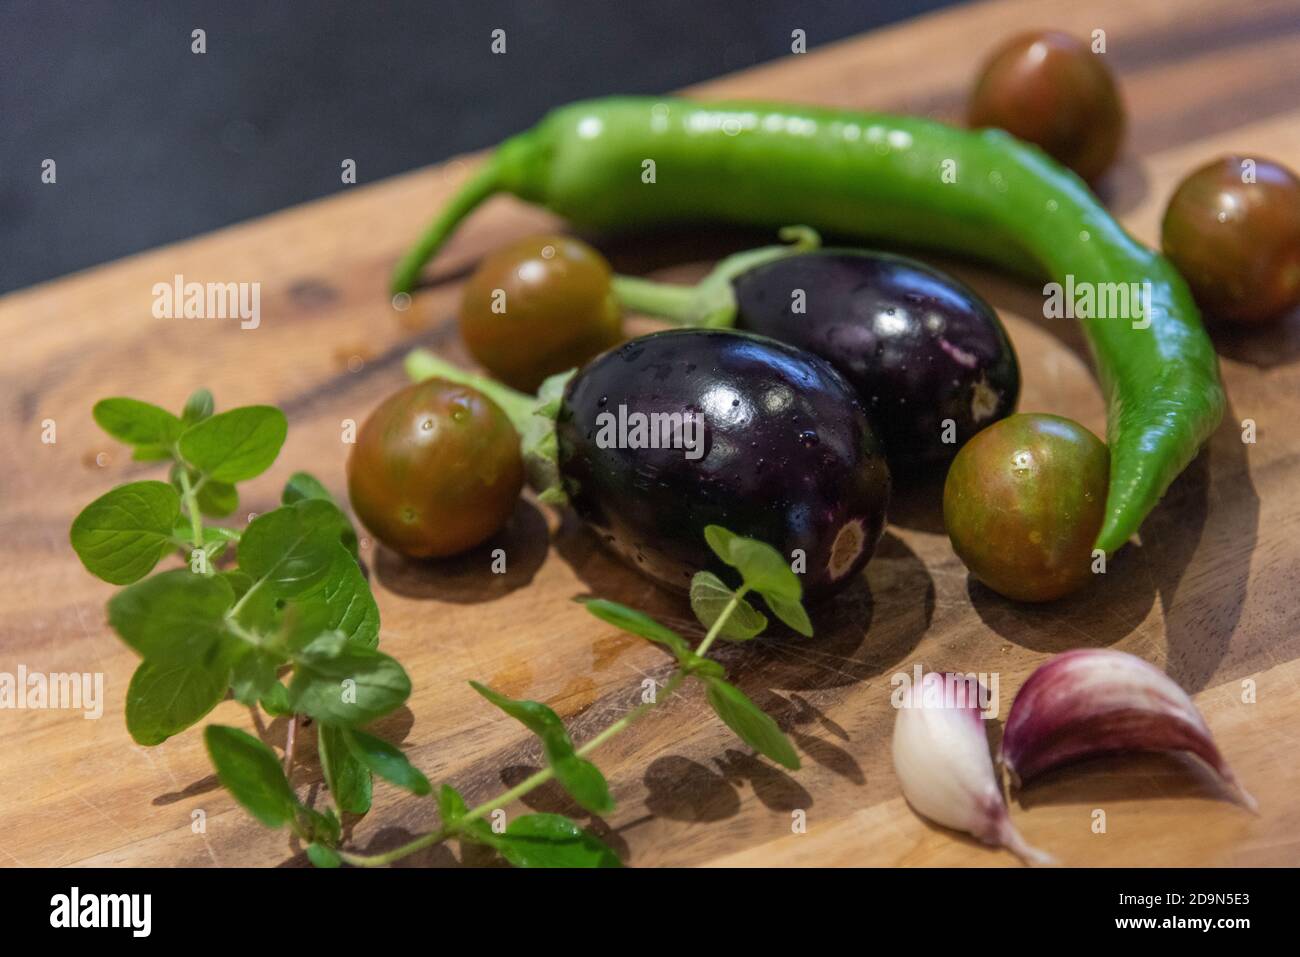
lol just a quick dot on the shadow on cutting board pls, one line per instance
(1264, 347)
(468, 579)
(1102, 781)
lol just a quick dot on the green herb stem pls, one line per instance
(622, 724)
(189, 496)
(539, 778)
(388, 857)
(233, 614)
(716, 630)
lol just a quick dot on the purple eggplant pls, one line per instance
(678, 430)
(928, 357)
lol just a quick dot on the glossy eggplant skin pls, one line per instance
(787, 456)
(918, 346)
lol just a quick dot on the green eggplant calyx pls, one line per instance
(710, 303)
(532, 416)
(540, 447)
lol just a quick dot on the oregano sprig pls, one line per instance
(553, 840)
(290, 626)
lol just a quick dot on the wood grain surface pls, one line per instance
(1211, 594)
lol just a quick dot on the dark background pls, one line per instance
(154, 143)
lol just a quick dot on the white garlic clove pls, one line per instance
(1095, 701)
(941, 757)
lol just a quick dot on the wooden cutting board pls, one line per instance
(1211, 593)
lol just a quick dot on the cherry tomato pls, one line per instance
(1236, 242)
(1023, 503)
(538, 307)
(436, 469)
(1051, 89)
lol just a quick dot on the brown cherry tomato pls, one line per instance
(1237, 241)
(537, 307)
(436, 469)
(1050, 89)
(1023, 503)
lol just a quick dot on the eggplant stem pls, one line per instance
(670, 301)
(518, 406)
(710, 303)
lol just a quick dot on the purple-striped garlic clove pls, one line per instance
(941, 757)
(1098, 701)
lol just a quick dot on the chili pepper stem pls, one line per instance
(503, 170)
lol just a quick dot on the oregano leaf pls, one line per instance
(291, 549)
(354, 686)
(198, 407)
(137, 423)
(760, 565)
(175, 616)
(302, 486)
(253, 675)
(236, 445)
(121, 535)
(552, 840)
(751, 723)
(386, 761)
(636, 623)
(165, 697)
(790, 612)
(350, 605)
(347, 777)
(452, 808)
(322, 856)
(251, 772)
(710, 597)
(577, 775)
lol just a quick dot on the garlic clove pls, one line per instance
(941, 757)
(1095, 701)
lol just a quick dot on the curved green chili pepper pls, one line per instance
(623, 162)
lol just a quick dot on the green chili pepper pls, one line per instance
(630, 162)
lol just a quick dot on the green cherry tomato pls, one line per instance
(537, 307)
(1023, 503)
(1233, 230)
(1050, 89)
(435, 470)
